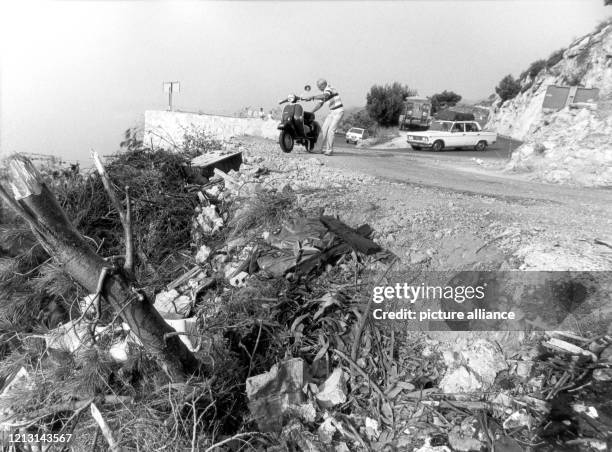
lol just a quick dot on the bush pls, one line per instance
(508, 88)
(385, 103)
(444, 99)
(534, 69)
(359, 119)
(555, 58)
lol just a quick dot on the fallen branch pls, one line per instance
(124, 217)
(105, 429)
(228, 440)
(35, 203)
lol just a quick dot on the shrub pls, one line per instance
(534, 69)
(508, 88)
(384, 104)
(359, 119)
(444, 99)
(555, 58)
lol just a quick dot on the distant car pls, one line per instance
(452, 134)
(355, 135)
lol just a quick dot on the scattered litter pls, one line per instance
(274, 393)
(202, 254)
(333, 391)
(519, 419)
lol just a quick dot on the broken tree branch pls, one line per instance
(105, 429)
(124, 217)
(34, 202)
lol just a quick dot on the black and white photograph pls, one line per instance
(306, 225)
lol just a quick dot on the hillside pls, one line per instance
(573, 145)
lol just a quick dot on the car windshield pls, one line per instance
(355, 130)
(440, 125)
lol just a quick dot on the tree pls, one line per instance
(444, 99)
(360, 119)
(508, 88)
(384, 104)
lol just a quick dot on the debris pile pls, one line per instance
(272, 295)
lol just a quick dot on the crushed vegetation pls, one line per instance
(273, 298)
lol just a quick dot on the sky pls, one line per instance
(75, 74)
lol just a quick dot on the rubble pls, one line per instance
(171, 302)
(333, 391)
(472, 366)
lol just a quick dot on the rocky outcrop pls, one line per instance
(586, 62)
(573, 145)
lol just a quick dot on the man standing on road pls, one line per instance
(336, 111)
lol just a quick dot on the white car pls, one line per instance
(355, 134)
(452, 134)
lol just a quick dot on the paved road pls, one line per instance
(455, 171)
(502, 149)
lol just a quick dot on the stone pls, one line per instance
(460, 443)
(460, 380)
(333, 391)
(202, 254)
(326, 430)
(519, 419)
(170, 302)
(372, 429)
(419, 257)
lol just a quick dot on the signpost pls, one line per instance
(171, 88)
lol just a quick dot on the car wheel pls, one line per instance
(347, 141)
(285, 140)
(437, 146)
(481, 146)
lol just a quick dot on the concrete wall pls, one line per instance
(167, 129)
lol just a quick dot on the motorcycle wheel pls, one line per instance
(285, 140)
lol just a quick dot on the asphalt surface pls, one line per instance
(502, 149)
(456, 171)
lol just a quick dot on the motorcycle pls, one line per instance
(297, 125)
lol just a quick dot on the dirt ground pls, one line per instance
(422, 208)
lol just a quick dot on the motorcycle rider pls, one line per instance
(336, 112)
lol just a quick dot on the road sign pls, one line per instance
(170, 88)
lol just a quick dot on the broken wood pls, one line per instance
(124, 217)
(113, 446)
(351, 236)
(37, 205)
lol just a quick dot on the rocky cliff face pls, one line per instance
(573, 145)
